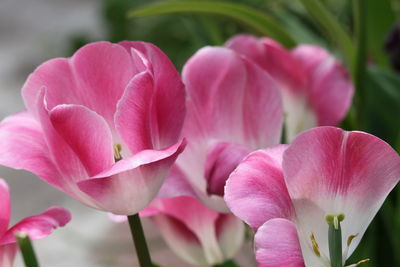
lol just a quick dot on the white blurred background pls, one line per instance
(32, 31)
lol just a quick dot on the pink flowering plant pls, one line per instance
(263, 141)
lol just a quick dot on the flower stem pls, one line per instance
(228, 263)
(139, 240)
(28, 254)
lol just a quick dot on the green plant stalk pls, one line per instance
(26, 248)
(335, 32)
(335, 245)
(228, 263)
(360, 69)
(139, 240)
(258, 21)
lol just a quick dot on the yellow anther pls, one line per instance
(350, 239)
(315, 246)
(117, 152)
(362, 261)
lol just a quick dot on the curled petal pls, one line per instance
(331, 171)
(23, 146)
(230, 232)
(38, 226)
(256, 190)
(277, 245)
(222, 159)
(87, 134)
(167, 105)
(130, 184)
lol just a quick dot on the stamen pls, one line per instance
(117, 152)
(315, 246)
(350, 239)
(362, 261)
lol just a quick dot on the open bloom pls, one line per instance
(325, 171)
(316, 88)
(198, 235)
(233, 108)
(35, 227)
(102, 126)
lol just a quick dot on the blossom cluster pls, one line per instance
(246, 132)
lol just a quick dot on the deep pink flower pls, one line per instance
(324, 171)
(35, 227)
(198, 235)
(233, 108)
(106, 102)
(316, 88)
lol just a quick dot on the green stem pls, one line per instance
(335, 245)
(228, 263)
(359, 69)
(28, 254)
(139, 240)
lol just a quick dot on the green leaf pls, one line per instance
(380, 20)
(382, 104)
(258, 21)
(334, 31)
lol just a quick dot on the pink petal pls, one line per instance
(222, 159)
(38, 226)
(87, 134)
(230, 232)
(331, 171)
(230, 99)
(23, 146)
(95, 77)
(273, 58)
(168, 100)
(134, 120)
(256, 190)
(176, 185)
(130, 184)
(277, 245)
(330, 87)
(7, 255)
(5, 207)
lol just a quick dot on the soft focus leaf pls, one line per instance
(258, 21)
(382, 104)
(334, 30)
(381, 17)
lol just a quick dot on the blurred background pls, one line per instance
(32, 31)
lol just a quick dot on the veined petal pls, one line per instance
(130, 184)
(94, 77)
(256, 190)
(7, 255)
(331, 171)
(87, 134)
(5, 207)
(277, 245)
(38, 226)
(168, 101)
(23, 146)
(273, 58)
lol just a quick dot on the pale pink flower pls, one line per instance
(36, 227)
(316, 88)
(324, 171)
(197, 234)
(108, 102)
(234, 108)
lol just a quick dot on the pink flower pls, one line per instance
(198, 235)
(316, 88)
(325, 171)
(36, 227)
(233, 108)
(108, 102)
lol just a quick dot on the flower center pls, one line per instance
(117, 152)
